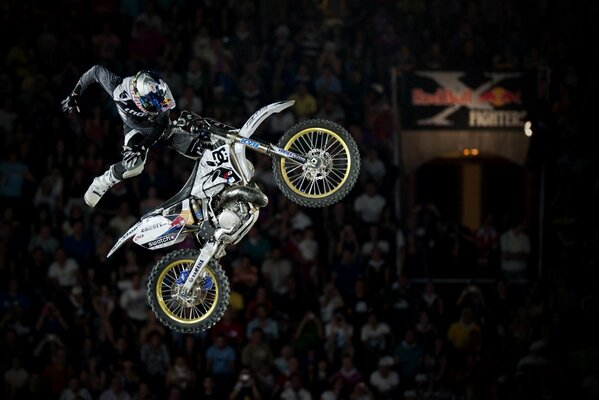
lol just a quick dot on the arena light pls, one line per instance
(466, 152)
(474, 152)
(528, 128)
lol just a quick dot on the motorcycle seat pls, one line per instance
(181, 195)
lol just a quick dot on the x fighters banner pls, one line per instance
(458, 100)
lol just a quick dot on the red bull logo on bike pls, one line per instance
(459, 100)
(178, 221)
(176, 224)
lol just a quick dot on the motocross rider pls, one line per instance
(144, 102)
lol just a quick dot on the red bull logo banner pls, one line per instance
(458, 100)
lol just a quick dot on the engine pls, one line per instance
(231, 217)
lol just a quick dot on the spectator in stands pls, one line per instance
(515, 249)
(268, 326)
(75, 391)
(14, 173)
(373, 168)
(375, 241)
(257, 352)
(384, 380)
(181, 376)
(408, 355)
(369, 205)
(220, 360)
(336, 390)
(339, 335)
(57, 374)
(44, 241)
(115, 391)
(275, 270)
(305, 104)
(133, 301)
(348, 372)
(309, 333)
(255, 246)
(375, 335)
(432, 302)
(245, 388)
(15, 378)
(155, 357)
(460, 331)
(245, 276)
(295, 390)
(487, 240)
(64, 271)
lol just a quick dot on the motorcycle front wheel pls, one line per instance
(333, 163)
(197, 311)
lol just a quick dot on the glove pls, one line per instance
(191, 123)
(132, 155)
(202, 134)
(71, 103)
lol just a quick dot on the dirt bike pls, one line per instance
(315, 164)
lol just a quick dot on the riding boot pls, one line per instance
(99, 186)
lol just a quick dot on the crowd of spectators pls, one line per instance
(325, 304)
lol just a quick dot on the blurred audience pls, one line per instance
(334, 313)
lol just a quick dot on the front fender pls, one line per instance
(250, 127)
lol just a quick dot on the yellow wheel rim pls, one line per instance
(166, 289)
(333, 163)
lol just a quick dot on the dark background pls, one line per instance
(75, 324)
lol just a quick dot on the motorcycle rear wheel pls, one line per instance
(333, 163)
(208, 303)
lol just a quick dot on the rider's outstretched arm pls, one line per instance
(98, 74)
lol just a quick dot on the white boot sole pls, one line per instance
(91, 199)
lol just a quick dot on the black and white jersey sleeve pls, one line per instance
(153, 127)
(98, 74)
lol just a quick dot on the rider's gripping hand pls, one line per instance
(71, 103)
(133, 154)
(201, 133)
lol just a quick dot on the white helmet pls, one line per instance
(150, 93)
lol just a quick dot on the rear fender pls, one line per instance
(154, 232)
(128, 235)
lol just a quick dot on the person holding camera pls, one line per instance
(245, 388)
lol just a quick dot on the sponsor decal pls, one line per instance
(196, 270)
(460, 100)
(137, 237)
(154, 226)
(495, 119)
(501, 97)
(219, 156)
(179, 220)
(162, 240)
(289, 154)
(249, 142)
(175, 225)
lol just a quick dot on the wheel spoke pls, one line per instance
(294, 168)
(342, 150)
(331, 145)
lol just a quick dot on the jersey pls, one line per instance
(153, 127)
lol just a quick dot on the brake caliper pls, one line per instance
(182, 277)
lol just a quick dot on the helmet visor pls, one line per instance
(154, 96)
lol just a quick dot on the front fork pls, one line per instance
(215, 247)
(206, 254)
